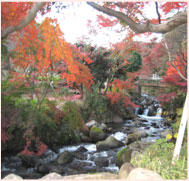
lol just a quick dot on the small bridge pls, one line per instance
(145, 83)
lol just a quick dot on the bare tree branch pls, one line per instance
(178, 71)
(171, 23)
(172, 63)
(29, 17)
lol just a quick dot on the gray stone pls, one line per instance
(85, 138)
(97, 134)
(101, 176)
(12, 177)
(65, 157)
(43, 168)
(132, 138)
(52, 176)
(101, 161)
(29, 160)
(143, 174)
(164, 133)
(123, 156)
(109, 143)
(139, 145)
(91, 124)
(125, 170)
(103, 126)
(81, 149)
(142, 133)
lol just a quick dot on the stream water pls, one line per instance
(153, 125)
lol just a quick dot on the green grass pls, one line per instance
(158, 157)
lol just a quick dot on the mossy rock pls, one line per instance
(123, 156)
(109, 143)
(97, 134)
(132, 138)
(96, 129)
(64, 158)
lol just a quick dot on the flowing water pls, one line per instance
(153, 125)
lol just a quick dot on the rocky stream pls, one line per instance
(93, 157)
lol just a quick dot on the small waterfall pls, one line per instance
(159, 112)
(146, 111)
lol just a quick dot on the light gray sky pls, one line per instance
(73, 22)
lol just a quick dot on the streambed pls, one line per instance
(86, 159)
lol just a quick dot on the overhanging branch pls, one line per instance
(29, 17)
(169, 25)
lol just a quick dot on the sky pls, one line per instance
(73, 22)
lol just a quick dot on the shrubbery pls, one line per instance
(96, 106)
(26, 126)
(158, 157)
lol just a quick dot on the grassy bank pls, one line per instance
(158, 157)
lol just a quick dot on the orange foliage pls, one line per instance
(13, 12)
(44, 48)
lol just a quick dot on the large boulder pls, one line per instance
(12, 177)
(97, 134)
(139, 146)
(109, 143)
(101, 161)
(52, 176)
(101, 176)
(125, 170)
(143, 174)
(64, 158)
(132, 138)
(123, 156)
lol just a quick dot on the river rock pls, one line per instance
(109, 143)
(57, 169)
(81, 149)
(12, 177)
(43, 168)
(164, 133)
(151, 110)
(95, 176)
(97, 134)
(102, 126)
(65, 157)
(123, 156)
(79, 165)
(125, 170)
(141, 133)
(143, 174)
(101, 161)
(91, 124)
(139, 145)
(52, 176)
(117, 119)
(132, 138)
(85, 138)
(29, 160)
